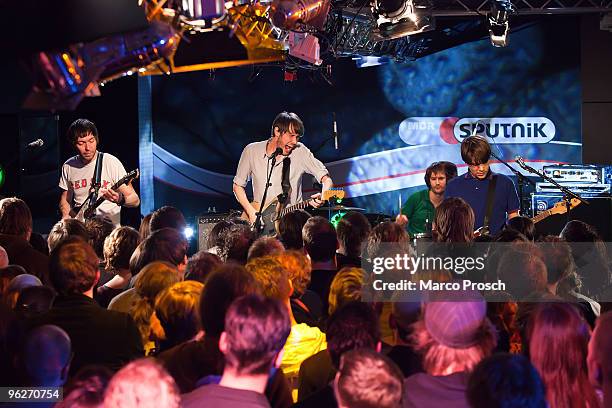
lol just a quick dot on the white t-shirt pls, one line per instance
(76, 178)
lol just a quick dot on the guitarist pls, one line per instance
(491, 195)
(255, 162)
(77, 178)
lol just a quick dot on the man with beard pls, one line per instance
(419, 210)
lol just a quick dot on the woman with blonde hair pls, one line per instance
(558, 340)
(153, 279)
(177, 309)
(345, 287)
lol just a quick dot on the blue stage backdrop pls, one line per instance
(393, 120)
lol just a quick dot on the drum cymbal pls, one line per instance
(341, 208)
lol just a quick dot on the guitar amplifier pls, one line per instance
(205, 225)
(574, 173)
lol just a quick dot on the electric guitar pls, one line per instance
(86, 211)
(274, 211)
(557, 208)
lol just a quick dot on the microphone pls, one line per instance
(335, 131)
(35, 143)
(521, 162)
(277, 152)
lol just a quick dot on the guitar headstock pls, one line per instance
(333, 193)
(560, 208)
(131, 176)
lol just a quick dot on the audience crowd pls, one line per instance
(120, 317)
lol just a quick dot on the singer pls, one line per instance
(491, 209)
(292, 158)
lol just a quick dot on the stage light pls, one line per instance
(400, 18)
(188, 232)
(290, 14)
(497, 21)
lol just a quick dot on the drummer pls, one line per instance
(419, 210)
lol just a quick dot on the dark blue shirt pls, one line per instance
(474, 191)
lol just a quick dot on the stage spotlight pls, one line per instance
(497, 20)
(290, 14)
(399, 18)
(188, 232)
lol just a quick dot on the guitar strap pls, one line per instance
(490, 200)
(285, 183)
(96, 178)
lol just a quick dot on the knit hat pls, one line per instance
(456, 318)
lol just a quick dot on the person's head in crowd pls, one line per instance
(215, 237)
(557, 255)
(34, 300)
(99, 228)
(272, 278)
(167, 245)
(86, 388)
(176, 308)
(201, 265)
(510, 235)
(39, 243)
(454, 221)
(256, 329)
(223, 286)
(353, 325)
(453, 334)
(65, 228)
(353, 230)
(167, 217)
(524, 225)
(145, 226)
(142, 383)
(367, 379)
(4, 259)
(558, 339)
(590, 255)
(345, 287)
(599, 358)
(6, 276)
(119, 247)
(265, 246)
(386, 233)
(298, 268)
(154, 278)
(236, 243)
(523, 271)
(505, 380)
(290, 229)
(46, 356)
(476, 152)
(320, 239)
(17, 284)
(15, 218)
(73, 267)
(404, 314)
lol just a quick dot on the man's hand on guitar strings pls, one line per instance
(316, 201)
(112, 195)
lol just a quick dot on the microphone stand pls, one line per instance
(258, 226)
(521, 179)
(567, 193)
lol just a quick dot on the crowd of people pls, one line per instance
(121, 317)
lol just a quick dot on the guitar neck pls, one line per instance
(541, 216)
(298, 206)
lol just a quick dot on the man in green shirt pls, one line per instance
(419, 210)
